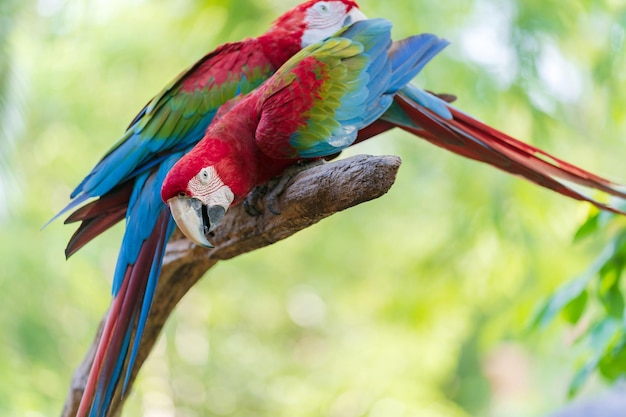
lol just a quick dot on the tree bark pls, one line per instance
(310, 196)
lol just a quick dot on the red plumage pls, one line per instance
(470, 138)
(506, 153)
(286, 112)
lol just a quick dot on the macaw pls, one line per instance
(258, 137)
(127, 180)
(312, 107)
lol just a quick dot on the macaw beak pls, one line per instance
(354, 15)
(195, 219)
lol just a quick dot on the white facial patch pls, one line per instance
(323, 19)
(209, 188)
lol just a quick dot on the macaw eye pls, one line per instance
(322, 7)
(204, 175)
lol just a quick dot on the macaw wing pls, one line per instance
(178, 116)
(314, 104)
(219, 76)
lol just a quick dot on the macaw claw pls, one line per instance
(274, 188)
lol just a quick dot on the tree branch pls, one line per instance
(309, 197)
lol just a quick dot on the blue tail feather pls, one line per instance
(143, 248)
(405, 59)
(402, 56)
(429, 101)
(155, 272)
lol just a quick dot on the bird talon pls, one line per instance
(271, 205)
(251, 204)
(273, 189)
(278, 185)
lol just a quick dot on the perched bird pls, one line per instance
(313, 106)
(258, 137)
(127, 180)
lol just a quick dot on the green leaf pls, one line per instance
(613, 365)
(613, 302)
(589, 227)
(575, 308)
(609, 291)
(602, 338)
(572, 290)
(581, 376)
(563, 297)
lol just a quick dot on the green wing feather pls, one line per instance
(301, 100)
(183, 109)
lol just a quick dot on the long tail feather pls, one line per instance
(102, 350)
(125, 323)
(134, 283)
(164, 229)
(460, 133)
(116, 357)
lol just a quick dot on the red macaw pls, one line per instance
(313, 106)
(128, 178)
(259, 136)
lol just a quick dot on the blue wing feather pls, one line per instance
(389, 68)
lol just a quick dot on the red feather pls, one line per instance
(103, 346)
(123, 314)
(468, 137)
(98, 216)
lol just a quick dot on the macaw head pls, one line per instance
(316, 20)
(202, 186)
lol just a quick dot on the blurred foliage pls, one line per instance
(10, 117)
(414, 304)
(594, 302)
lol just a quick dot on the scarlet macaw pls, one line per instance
(259, 136)
(128, 178)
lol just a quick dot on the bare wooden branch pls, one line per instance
(309, 197)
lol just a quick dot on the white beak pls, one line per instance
(195, 219)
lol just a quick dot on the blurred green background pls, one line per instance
(416, 304)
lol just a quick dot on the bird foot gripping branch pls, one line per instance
(272, 189)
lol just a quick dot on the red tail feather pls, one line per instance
(473, 139)
(122, 318)
(98, 216)
(103, 347)
(108, 202)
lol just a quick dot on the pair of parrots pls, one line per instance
(322, 78)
